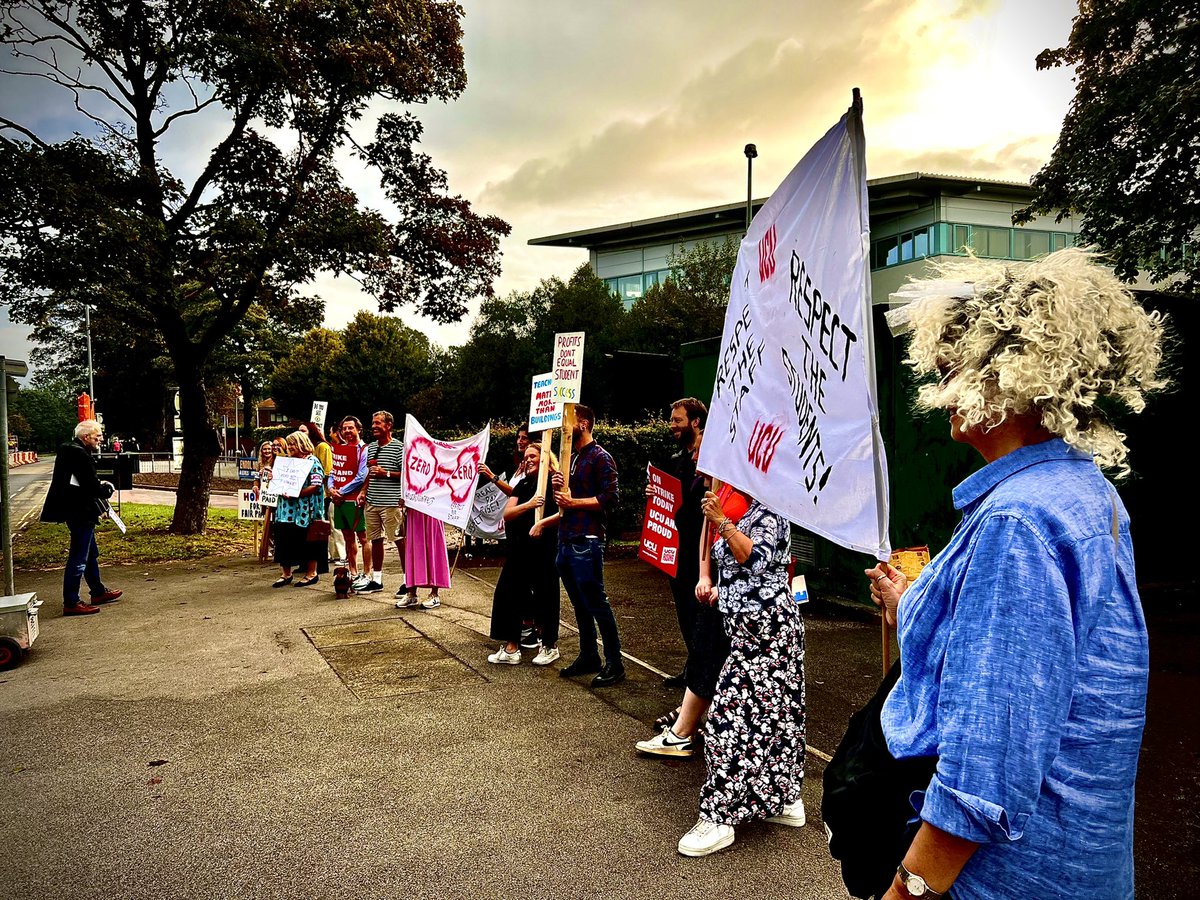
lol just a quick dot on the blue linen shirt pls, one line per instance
(1024, 658)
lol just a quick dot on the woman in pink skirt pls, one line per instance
(426, 563)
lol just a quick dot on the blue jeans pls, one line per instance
(82, 562)
(581, 565)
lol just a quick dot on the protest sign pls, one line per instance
(794, 418)
(439, 476)
(568, 366)
(345, 465)
(320, 407)
(544, 410)
(660, 537)
(247, 468)
(288, 476)
(487, 512)
(249, 509)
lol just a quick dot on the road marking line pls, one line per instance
(809, 748)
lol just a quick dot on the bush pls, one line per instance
(632, 447)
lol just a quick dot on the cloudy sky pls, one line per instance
(579, 115)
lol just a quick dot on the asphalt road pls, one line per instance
(208, 736)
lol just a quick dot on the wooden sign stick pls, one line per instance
(543, 474)
(887, 644)
(564, 446)
(708, 527)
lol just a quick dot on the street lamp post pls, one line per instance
(87, 321)
(751, 152)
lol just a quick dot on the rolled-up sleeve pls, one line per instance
(1005, 688)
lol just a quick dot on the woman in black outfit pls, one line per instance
(528, 582)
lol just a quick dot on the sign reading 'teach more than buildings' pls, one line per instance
(545, 410)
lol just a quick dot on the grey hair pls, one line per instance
(87, 426)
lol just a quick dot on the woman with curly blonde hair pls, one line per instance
(1023, 646)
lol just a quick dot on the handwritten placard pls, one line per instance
(249, 509)
(319, 409)
(487, 513)
(660, 537)
(568, 366)
(545, 410)
(288, 476)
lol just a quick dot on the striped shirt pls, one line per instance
(383, 491)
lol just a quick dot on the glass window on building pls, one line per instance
(962, 238)
(629, 287)
(1061, 240)
(887, 252)
(611, 284)
(1030, 244)
(921, 243)
(991, 242)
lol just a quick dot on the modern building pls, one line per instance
(914, 217)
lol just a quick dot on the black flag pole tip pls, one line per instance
(856, 100)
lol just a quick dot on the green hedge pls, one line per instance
(632, 446)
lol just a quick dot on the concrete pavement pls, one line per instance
(209, 736)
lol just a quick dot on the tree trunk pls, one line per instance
(200, 452)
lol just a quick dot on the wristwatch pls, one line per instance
(914, 885)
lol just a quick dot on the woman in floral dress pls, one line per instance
(754, 739)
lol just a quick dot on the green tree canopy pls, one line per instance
(100, 219)
(375, 363)
(1128, 157)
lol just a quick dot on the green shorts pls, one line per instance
(349, 515)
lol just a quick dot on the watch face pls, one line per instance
(915, 885)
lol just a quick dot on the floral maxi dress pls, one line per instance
(754, 741)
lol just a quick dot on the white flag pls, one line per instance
(794, 420)
(439, 476)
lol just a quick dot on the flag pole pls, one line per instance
(859, 146)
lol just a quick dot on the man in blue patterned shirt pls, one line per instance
(593, 491)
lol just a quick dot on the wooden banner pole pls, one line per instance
(461, 540)
(543, 473)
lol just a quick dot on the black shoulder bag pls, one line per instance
(866, 804)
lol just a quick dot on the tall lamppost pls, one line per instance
(751, 152)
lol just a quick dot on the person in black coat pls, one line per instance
(76, 497)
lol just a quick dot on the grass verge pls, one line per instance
(43, 545)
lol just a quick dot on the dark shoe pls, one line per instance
(611, 674)
(581, 666)
(79, 609)
(675, 681)
(282, 582)
(308, 582)
(106, 597)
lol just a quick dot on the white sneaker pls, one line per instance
(431, 603)
(360, 581)
(667, 744)
(706, 837)
(546, 656)
(406, 600)
(793, 814)
(503, 657)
